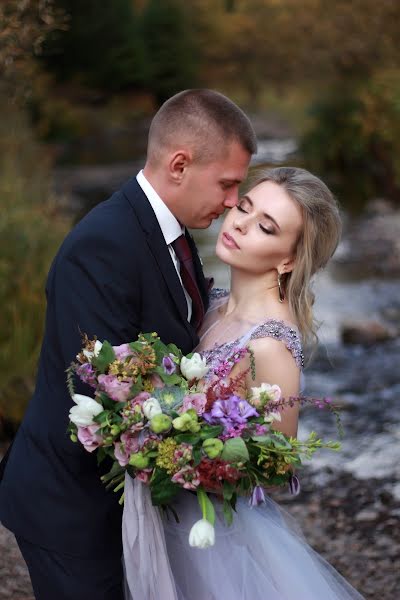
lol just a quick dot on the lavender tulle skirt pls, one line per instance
(261, 556)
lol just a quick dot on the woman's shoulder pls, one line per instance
(281, 331)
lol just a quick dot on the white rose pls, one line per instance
(202, 534)
(151, 407)
(193, 368)
(96, 351)
(85, 410)
(265, 393)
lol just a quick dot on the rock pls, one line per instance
(371, 246)
(366, 333)
(379, 206)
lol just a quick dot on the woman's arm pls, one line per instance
(275, 364)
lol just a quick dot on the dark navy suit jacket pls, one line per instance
(113, 277)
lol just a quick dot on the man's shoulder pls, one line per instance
(112, 218)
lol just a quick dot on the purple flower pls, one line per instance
(257, 497)
(117, 390)
(169, 365)
(86, 373)
(294, 485)
(229, 412)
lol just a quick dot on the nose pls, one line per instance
(240, 223)
(232, 197)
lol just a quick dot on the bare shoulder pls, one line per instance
(272, 351)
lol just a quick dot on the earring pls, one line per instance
(280, 288)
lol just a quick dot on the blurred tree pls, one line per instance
(100, 48)
(171, 53)
(23, 28)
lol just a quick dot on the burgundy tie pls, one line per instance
(188, 275)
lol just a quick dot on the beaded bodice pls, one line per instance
(276, 329)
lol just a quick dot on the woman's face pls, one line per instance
(260, 234)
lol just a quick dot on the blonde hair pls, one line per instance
(316, 244)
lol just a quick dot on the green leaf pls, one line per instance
(196, 456)
(235, 450)
(174, 350)
(104, 358)
(207, 507)
(280, 440)
(210, 431)
(228, 513)
(163, 490)
(228, 490)
(187, 438)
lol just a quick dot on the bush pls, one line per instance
(30, 232)
(354, 141)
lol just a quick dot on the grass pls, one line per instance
(31, 229)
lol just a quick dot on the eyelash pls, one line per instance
(267, 231)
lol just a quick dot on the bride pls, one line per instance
(280, 234)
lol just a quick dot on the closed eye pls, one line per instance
(267, 231)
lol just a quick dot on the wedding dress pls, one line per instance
(261, 556)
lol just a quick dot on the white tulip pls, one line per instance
(202, 534)
(85, 410)
(151, 407)
(96, 351)
(193, 368)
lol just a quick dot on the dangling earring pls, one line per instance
(280, 288)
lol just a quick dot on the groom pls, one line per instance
(128, 266)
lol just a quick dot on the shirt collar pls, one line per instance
(170, 226)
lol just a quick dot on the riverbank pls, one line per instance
(352, 523)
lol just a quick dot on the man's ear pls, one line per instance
(178, 165)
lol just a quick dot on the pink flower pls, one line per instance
(122, 351)
(89, 438)
(140, 398)
(187, 477)
(196, 401)
(156, 381)
(128, 445)
(144, 475)
(117, 390)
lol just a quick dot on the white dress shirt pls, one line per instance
(170, 227)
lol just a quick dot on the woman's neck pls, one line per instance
(252, 295)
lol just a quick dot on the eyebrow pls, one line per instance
(264, 214)
(228, 181)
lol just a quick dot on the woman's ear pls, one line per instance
(287, 265)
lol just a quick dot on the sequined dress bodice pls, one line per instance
(276, 329)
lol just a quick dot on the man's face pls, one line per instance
(208, 189)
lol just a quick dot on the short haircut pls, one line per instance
(205, 120)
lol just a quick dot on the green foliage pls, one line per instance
(170, 51)
(101, 46)
(354, 141)
(30, 233)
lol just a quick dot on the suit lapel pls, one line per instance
(156, 244)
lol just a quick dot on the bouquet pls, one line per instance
(174, 422)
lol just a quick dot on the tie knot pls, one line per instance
(182, 249)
